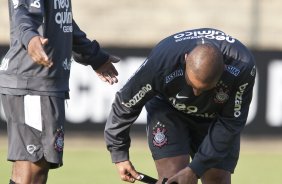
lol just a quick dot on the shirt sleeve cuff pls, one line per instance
(119, 156)
(27, 37)
(198, 167)
(99, 59)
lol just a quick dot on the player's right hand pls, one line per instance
(37, 53)
(127, 171)
(107, 72)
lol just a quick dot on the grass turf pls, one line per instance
(86, 161)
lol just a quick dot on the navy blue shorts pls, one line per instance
(172, 133)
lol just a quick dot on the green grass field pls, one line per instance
(86, 161)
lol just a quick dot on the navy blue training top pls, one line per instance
(162, 75)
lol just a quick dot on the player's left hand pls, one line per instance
(107, 72)
(185, 176)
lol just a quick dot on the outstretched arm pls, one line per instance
(88, 52)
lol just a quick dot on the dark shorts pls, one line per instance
(172, 133)
(35, 128)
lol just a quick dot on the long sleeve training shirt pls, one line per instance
(162, 75)
(52, 19)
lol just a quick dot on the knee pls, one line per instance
(216, 176)
(168, 167)
(40, 169)
(40, 176)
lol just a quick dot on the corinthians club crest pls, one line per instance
(221, 93)
(159, 133)
(59, 140)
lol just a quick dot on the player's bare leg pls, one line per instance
(40, 171)
(216, 176)
(25, 172)
(21, 172)
(167, 167)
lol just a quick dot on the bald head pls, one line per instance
(204, 64)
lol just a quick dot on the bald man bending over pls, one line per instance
(196, 86)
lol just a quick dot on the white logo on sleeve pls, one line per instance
(4, 64)
(239, 100)
(36, 4)
(181, 97)
(138, 96)
(15, 3)
(67, 64)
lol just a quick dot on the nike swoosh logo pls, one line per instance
(181, 97)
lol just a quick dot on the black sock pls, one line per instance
(12, 182)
